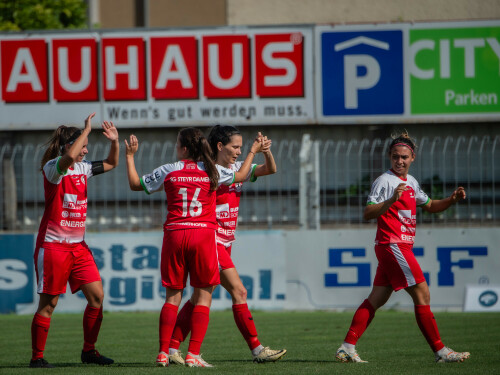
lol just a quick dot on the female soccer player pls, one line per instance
(61, 254)
(393, 199)
(189, 231)
(226, 143)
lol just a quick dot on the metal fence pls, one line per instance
(347, 169)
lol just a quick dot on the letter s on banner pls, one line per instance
(335, 260)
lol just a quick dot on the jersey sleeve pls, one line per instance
(86, 168)
(251, 174)
(226, 175)
(420, 196)
(153, 181)
(379, 191)
(52, 171)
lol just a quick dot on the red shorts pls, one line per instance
(224, 254)
(57, 264)
(190, 251)
(397, 266)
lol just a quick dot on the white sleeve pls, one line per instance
(379, 192)
(226, 175)
(85, 167)
(251, 174)
(420, 195)
(52, 172)
(153, 181)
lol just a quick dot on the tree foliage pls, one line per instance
(20, 15)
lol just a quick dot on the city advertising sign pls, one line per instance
(455, 70)
(408, 72)
(170, 78)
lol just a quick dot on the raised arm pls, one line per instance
(242, 174)
(269, 166)
(72, 154)
(130, 149)
(372, 211)
(440, 205)
(111, 133)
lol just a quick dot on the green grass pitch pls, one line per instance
(392, 344)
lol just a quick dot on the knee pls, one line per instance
(96, 299)
(240, 294)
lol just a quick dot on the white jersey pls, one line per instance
(398, 223)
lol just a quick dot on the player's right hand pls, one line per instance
(399, 191)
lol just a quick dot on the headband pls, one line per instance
(404, 144)
(71, 139)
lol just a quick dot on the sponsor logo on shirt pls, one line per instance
(65, 214)
(69, 201)
(406, 217)
(222, 211)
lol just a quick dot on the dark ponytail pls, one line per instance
(199, 150)
(55, 145)
(223, 134)
(403, 139)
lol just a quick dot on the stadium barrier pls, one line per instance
(295, 197)
(281, 269)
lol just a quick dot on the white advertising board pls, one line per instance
(294, 270)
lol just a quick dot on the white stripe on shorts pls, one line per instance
(405, 267)
(39, 263)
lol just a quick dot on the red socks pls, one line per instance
(360, 322)
(92, 319)
(199, 324)
(168, 316)
(244, 321)
(428, 326)
(182, 326)
(39, 331)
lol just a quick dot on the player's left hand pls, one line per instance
(458, 195)
(109, 131)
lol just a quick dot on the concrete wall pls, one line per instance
(242, 12)
(174, 13)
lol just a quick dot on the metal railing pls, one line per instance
(347, 170)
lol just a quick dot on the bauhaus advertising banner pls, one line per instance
(161, 78)
(381, 73)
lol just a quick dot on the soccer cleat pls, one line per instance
(40, 363)
(196, 361)
(269, 355)
(93, 356)
(162, 359)
(176, 359)
(451, 356)
(345, 355)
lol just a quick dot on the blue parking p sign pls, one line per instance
(362, 73)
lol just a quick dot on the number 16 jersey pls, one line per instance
(190, 202)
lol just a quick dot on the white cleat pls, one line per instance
(162, 359)
(269, 355)
(346, 355)
(196, 361)
(176, 359)
(450, 355)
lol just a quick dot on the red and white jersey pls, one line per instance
(190, 202)
(65, 212)
(398, 223)
(228, 203)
